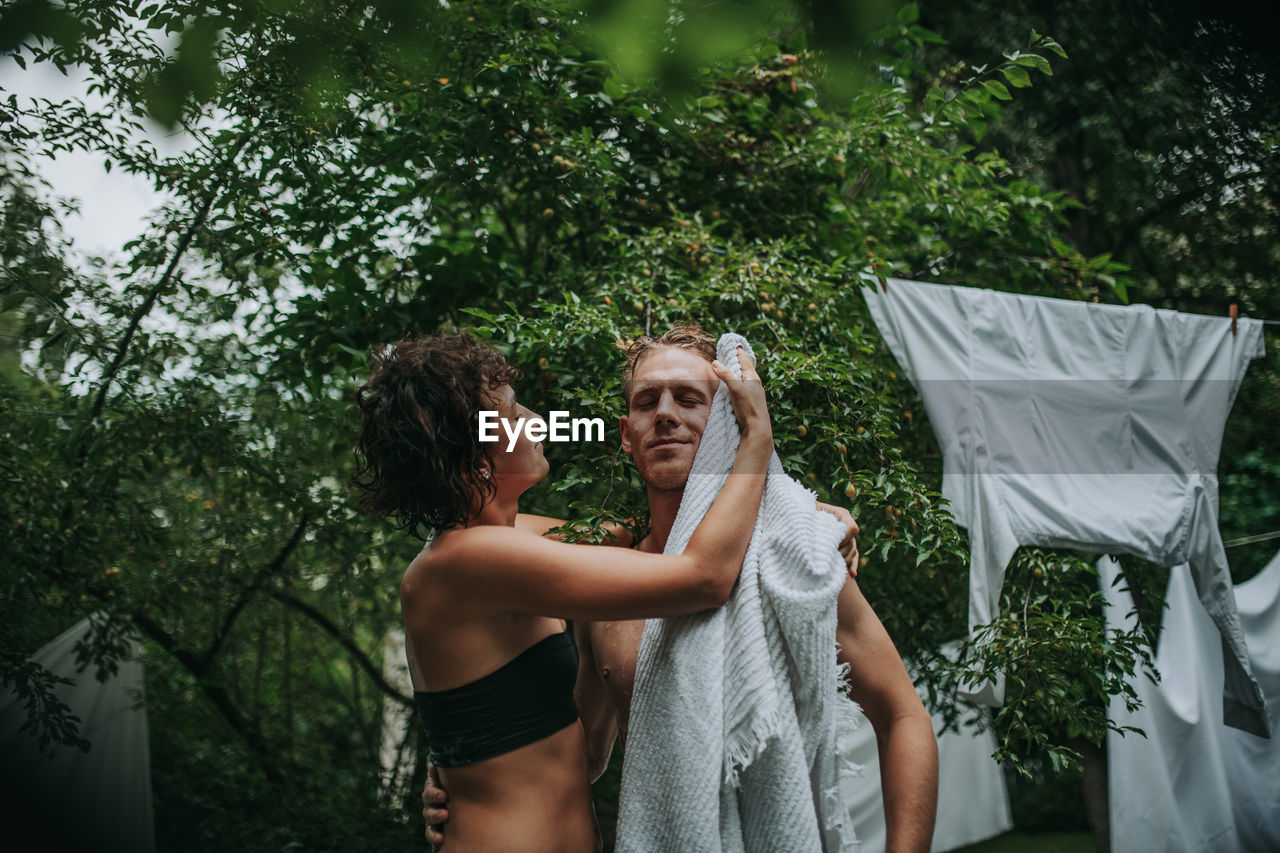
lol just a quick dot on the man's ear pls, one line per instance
(624, 427)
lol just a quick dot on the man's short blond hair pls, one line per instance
(692, 338)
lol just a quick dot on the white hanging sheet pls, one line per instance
(1078, 425)
(97, 800)
(1192, 784)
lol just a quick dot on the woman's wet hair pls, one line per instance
(419, 456)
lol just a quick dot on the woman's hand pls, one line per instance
(747, 396)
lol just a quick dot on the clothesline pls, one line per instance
(1249, 540)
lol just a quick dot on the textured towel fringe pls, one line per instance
(849, 717)
(843, 673)
(838, 817)
(740, 755)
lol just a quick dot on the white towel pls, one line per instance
(735, 721)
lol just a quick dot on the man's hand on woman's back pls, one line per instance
(433, 807)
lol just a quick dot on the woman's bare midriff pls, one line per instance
(530, 800)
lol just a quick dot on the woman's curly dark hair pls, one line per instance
(419, 454)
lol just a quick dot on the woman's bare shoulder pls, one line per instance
(461, 566)
(417, 576)
(464, 548)
(466, 543)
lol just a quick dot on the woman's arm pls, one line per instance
(496, 568)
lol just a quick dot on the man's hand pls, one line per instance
(433, 809)
(848, 545)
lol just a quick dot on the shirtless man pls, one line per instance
(669, 384)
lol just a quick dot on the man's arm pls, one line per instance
(904, 731)
(595, 705)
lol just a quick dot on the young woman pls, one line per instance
(492, 665)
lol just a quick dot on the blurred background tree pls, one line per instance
(177, 426)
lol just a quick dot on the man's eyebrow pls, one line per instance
(674, 384)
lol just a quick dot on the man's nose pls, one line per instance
(667, 409)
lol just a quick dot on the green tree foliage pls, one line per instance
(177, 426)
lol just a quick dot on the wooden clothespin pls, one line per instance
(1234, 313)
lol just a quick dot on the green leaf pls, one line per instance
(1036, 61)
(1017, 76)
(12, 300)
(925, 35)
(477, 312)
(997, 89)
(909, 14)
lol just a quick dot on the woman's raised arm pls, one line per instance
(493, 567)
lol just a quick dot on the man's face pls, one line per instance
(671, 391)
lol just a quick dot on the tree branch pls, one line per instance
(80, 439)
(276, 564)
(117, 362)
(357, 654)
(216, 694)
(512, 234)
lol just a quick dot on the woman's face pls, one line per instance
(523, 465)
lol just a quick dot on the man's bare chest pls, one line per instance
(616, 646)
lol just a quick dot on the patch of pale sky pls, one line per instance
(113, 205)
(113, 209)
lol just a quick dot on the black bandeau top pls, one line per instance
(528, 698)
